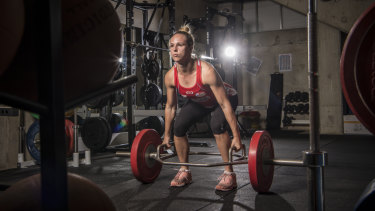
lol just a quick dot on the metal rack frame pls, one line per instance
(51, 105)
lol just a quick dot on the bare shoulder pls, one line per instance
(207, 68)
(169, 78)
(209, 74)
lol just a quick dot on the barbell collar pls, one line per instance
(315, 159)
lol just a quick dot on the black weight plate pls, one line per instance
(153, 94)
(118, 97)
(143, 96)
(96, 133)
(152, 122)
(153, 70)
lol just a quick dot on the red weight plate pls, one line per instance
(358, 69)
(261, 149)
(69, 131)
(145, 169)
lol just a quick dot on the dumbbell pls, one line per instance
(297, 96)
(305, 97)
(289, 97)
(148, 155)
(287, 120)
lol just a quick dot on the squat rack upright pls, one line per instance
(47, 34)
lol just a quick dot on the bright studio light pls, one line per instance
(230, 51)
(120, 60)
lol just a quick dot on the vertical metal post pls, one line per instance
(172, 18)
(21, 140)
(208, 32)
(257, 15)
(314, 174)
(145, 24)
(129, 52)
(48, 35)
(21, 145)
(281, 17)
(75, 129)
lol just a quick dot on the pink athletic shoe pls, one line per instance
(227, 182)
(182, 178)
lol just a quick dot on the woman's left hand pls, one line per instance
(236, 144)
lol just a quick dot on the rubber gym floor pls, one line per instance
(351, 167)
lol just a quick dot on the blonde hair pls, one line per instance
(185, 30)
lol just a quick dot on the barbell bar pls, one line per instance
(148, 155)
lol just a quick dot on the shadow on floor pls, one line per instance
(271, 201)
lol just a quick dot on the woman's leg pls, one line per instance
(219, 127)
(190, 113)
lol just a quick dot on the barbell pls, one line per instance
(148, 154)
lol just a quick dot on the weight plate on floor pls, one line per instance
(69, 136)
(117, 122)
(358, 69)
(96, 133)
(144, 168)
(260, 150)
(33, 139)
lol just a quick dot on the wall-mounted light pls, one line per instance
(230, 51)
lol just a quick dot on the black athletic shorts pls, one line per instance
(191, 112)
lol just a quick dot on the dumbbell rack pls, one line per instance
(51, 105)
(296, 105)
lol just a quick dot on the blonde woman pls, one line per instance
(199, 82)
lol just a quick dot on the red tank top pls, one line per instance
(200, 93)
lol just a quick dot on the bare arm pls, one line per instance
(212, 78)
(170, 107)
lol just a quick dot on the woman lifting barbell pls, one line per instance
(199, 82)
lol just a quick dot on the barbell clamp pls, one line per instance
(314, 159)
